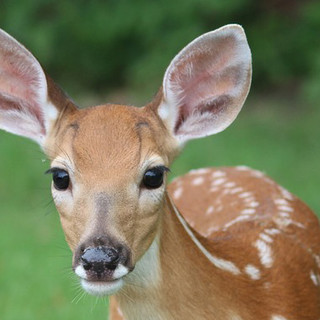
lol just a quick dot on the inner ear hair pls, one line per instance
(206, 84)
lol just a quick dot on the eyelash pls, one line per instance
(53, 170)
(160, 168)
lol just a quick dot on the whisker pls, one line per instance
(78, 297)
(126, 295)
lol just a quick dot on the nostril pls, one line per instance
(112, 266)
(86, 264)
(112, 255)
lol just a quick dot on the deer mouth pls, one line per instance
(104, 283)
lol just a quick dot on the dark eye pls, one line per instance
(60, 178)
(153, 178)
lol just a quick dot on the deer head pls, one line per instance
(109, 162)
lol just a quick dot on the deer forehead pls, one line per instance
(110, 141)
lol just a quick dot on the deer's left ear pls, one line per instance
(206, 84)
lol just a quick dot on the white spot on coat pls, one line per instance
(218, 181)
(236, 220)
(226, 191)
(248, 211)
(177, 193)
(284, 222)
(256, 173)
(286, 194)
(248, 200)
(281, 202)
(265, 253)
(276, 317)
(229, 184)
(210, 210)
(245, 195)
(236, 190)
(284, 214)
(285, 208)
(198, 181)
(314, 278)
(219, 207)
(272, 231)
(252, 272)
(211, 230)
(199, 171)
(317, 259)
(217, 174)
(242, 168)
(265, 238)
(254, 204)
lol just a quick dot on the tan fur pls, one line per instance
(86, 141)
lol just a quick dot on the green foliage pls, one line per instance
(101, 45)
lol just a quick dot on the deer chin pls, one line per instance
(102, 288)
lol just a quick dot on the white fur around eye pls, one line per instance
(63, 199)
(152, 197)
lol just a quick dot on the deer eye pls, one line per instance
(60, 178)
(153, 178)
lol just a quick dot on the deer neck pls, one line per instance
(174, 259)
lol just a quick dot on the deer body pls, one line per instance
(221, 244)
(256, 242)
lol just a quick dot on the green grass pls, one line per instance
(280, 138)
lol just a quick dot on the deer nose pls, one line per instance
(100, 259)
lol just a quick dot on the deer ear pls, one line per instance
(206, 84)
(25, 107)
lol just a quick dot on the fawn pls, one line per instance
(223, 244)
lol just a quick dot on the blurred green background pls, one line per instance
(117, 51)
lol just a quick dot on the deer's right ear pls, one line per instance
(206, 84)
(25, 107)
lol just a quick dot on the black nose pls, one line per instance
(100, 259)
